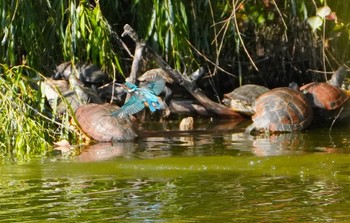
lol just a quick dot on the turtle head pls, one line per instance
(63, 70)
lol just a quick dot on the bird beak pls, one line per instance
(122, 86)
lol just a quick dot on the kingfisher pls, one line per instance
(141, 97)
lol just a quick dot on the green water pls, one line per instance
(213, 174)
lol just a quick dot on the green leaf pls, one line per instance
(270, 16)
(323, 11)
(82, 26)
(261, 19)
(152, 23)
(6, 32)
(183, 13)
(315, 22)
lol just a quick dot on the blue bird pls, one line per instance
(141, 97)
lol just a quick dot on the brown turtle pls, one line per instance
(281, 110)
(61, 94)
(326, 97)
(242, 98)
(96, 121)
(150, 75)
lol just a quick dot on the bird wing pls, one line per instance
(156, 85)
(132, 106)
(150, 100)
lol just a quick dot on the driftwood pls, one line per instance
(197, 93)
(187, 107)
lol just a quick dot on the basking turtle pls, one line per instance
(327, 97)
(281, 110)
(324, 96)
(89, 74)
(338, 77)
(96, 121)
(152, 74)
(242, 98)
(59, 93)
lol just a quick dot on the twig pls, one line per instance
(137, 55)
(335, 119)
(120, 41)
(241, 40)
(209, 61)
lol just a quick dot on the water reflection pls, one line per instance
(211, 173)
(279, 144)
(169, 139)
(224, 137)
(194, 197)
(105, 151)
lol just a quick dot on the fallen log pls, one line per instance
(187, 107)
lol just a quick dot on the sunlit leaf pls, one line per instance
(6, 32)
(152, 23)
(183, 13)
(82, 26)
(323, 11)
(315, 22)
(338, 26)
(261, 19)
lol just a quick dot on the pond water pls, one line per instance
(215, 173)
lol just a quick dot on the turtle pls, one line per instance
(338, 77)
(242, 98)
(152, 74)
(327, 98)
(59, 93)
(324, 96)
(281, 110)
(90, 74)
(327, 95)
(96, 121)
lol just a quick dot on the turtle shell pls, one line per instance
(242, 98)
(281, 110)
(55, 89)
(152, 74)
(87, 73)
(96, 121)
(90, 73)
(324, 96)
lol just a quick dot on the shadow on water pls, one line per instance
(213, 173)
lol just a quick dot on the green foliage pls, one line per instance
(60, 30)
(86, 35)
(165, 25)
(24, 127)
